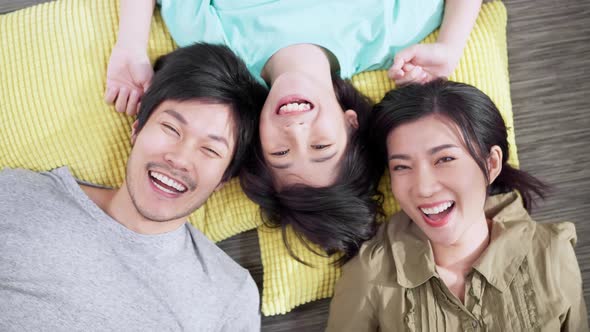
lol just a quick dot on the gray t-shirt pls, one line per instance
(65, 265)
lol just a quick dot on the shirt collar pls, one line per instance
(411, 251)
(510, 240)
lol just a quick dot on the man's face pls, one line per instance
(179, 157)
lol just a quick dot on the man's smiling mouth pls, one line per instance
(167, 184)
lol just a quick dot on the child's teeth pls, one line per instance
(295, 107)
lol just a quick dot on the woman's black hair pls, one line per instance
(338, 217)
(213, 73)
(477, 118)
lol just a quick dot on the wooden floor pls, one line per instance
(549, 57)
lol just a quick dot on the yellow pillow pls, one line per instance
(52, 77)
(484, 64)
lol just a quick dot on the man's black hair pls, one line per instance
(215, 74)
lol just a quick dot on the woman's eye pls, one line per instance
(320, 146)
(280, 153)
(445, 160)
(170, 129)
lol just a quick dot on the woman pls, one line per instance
(312, 125)
(464, 254)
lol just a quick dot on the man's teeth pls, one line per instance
(168, 181)
(437, 209)
(295, 107)
(163, 189)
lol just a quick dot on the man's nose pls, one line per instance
(179, 158)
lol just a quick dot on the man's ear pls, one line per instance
(134, 132)
(494, 162)
(351, 118)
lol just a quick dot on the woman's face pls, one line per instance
(435, 179)
(304, 131)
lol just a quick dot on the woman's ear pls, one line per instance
(494, 163)
(351, 118)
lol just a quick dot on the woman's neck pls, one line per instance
(306, 58)
(455, 262)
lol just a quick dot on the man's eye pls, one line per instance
(320, 146)
(170, 129)
(211, 152)
(280, 153)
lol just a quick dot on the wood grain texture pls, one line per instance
(549, 59)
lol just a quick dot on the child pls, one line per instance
(313, 125)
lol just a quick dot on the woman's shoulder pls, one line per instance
(549, 236)
(375, 261)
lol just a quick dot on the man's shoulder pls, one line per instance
(218, 264)
(23, 177)
(25, 189)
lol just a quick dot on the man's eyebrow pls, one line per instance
(220, 139)
(177, 116)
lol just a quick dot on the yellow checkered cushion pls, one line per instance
(52, 77)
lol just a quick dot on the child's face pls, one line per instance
(435, 179)
(304, 131)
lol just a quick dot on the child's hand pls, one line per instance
(422, 63)
(129, 74)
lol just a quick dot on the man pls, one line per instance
(80, 258)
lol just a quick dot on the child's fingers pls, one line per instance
(414, 75)
(132, 103)
(402, 57)
(121, 103)
(110, 94)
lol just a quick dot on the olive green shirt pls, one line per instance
(527, 279)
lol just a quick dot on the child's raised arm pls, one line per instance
(422, 63)
(129, 71)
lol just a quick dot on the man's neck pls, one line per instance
(305, 58)
(118, 205)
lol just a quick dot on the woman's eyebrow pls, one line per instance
(442, 147)
(430, 151)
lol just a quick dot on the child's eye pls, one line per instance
(400, 167)
(170, 129)
(280, 153)
(320, 146)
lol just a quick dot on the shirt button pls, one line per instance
(474, 324)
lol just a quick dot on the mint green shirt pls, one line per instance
(363, 35)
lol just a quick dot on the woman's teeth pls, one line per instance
(437, 209)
